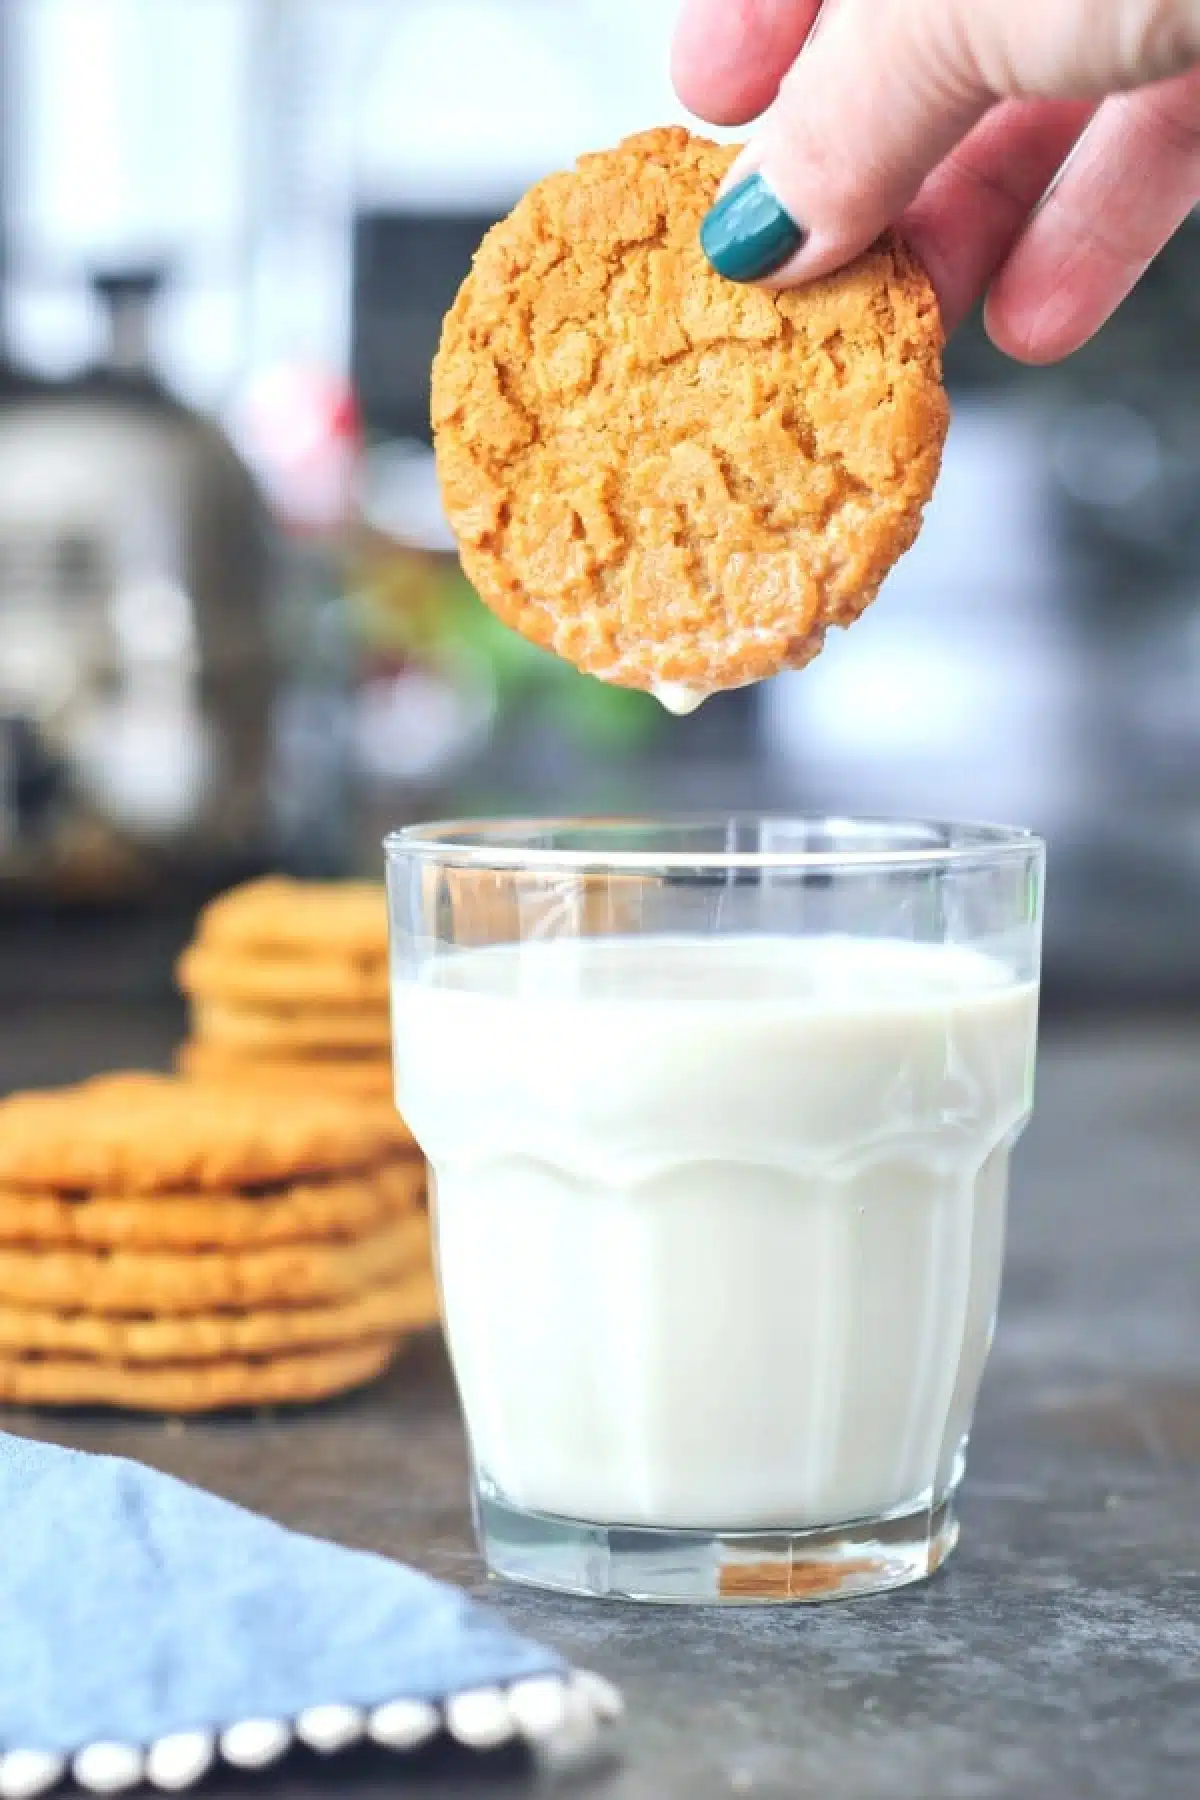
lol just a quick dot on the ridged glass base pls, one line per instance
(714, 1568)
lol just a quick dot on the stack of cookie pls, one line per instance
(170, 1246)
(288, 989)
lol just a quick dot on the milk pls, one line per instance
(720, 1221)
(679, 697)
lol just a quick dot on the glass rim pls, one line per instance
(508, 843)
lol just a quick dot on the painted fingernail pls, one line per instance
(748, 234)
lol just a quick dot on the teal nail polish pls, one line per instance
(747, 234)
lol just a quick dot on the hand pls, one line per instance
(1042, 151)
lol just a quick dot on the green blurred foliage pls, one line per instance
(444, 619)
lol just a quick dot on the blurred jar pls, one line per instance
(136, 676)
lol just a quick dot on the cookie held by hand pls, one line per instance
(672, 481)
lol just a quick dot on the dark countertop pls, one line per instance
(1058, 1654)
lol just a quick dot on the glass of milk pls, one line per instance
(719, 1114)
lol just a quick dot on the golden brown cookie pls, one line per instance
(359, 1079)
(292, 1029)
(145, 1133)
(198, 1281)
(350, 1075)
(256, 978)
(391, 1310)
(661, 475)
(342, 920)
(334, 1211)
(193, 1387)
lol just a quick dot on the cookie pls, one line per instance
(248, 979)
(361, 1080)
(192, 1387)
(143, 1133)
(198, 1281)
(325, 1211)
(276, 916)
(292, 1029)
(667, 478)
(391, 1310)
(349, 1075)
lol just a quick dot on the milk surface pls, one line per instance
(720, 1221)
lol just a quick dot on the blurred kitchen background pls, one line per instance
(233, 633)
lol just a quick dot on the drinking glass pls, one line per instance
(719, 1115)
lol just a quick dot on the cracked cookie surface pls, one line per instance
(664, 477)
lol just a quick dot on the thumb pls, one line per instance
(884, 89)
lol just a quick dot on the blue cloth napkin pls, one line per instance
(133, 1606)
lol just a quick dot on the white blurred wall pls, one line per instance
(233, 136)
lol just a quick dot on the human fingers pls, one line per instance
(971, 210)
(883, 92)
(728, 57)
(1130, 185)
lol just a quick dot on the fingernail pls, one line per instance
(748, 234)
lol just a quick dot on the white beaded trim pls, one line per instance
(562, 1717)
(404, 1724)
(24, 1773)
(181, 1760)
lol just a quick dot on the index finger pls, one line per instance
(729, 56)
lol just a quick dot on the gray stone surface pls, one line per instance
(1057, 1656)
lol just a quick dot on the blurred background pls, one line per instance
(233, 632)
